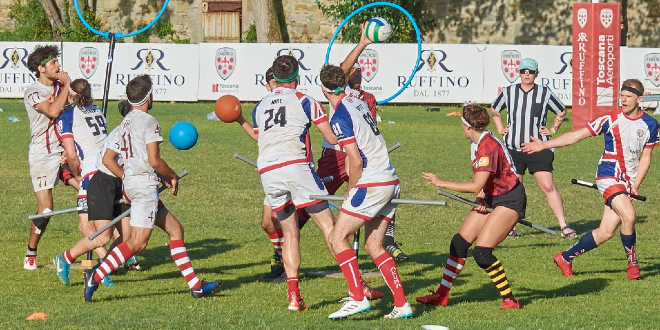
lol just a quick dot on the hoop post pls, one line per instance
(108, 72)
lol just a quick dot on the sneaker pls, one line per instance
(30, 262)
(633, 272)
(351, 307)
(370, 293)
(434, 298)
(107, 281)
(62, 268)
(132, 263)
(566, 268)
(513, 233)
(206, 289)
(509, 303)
(395, 251)
(280, 279)
(276, 268)
(403, 312)
(89, 285)
(296, 302)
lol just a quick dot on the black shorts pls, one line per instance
(515, 199)
(536, 162)
(102, 191)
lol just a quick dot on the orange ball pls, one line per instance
(228, 108)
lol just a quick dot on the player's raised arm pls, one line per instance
(249, 129)
(537, 145)
(352, 57)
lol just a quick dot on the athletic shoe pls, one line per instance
(633, 272)
(513, 233)
(132, 263)
(276, 267)
(395, 251)
(370, 293)
(296, 302)
(107, 281)
(62, 268)
(280, 279)
(566, 268)
(509, 303)
(434, 298)
(403, 312)
(89, 285)
(206, 289)
(30, 262)
(351, 307)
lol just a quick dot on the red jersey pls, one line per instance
(490, 155)
(367, 97)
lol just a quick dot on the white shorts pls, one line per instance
(144, 207)
(610, 188)
(44, 169)
(292, 184)
(368, 202)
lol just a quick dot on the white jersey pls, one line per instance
(136, 131)
(42, 128)
(112, 143)
(353, 123)
(88, 129)
(281, 120)
(331, 111)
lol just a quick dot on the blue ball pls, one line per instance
(183, 135)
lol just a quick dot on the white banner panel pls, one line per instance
(643, 64)
(89, 61)
(501, 69)
(15, 77)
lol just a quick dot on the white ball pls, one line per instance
(378, 29)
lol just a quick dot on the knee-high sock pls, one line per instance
(112, 261)
(181, 259)
(584, 244)
(277, 239)
(348, 264)
(630, 247)
(486, 260)
(389, 233)
(455, 262)
(388, 269)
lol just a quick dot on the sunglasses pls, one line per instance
(526, 71)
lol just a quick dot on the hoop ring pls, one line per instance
(119, 35)
(412, 21)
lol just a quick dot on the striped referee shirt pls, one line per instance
(526, 112)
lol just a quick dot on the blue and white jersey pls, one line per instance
(281, 120)
(625, 139)
(353, 123)
(88, 129)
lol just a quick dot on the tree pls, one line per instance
(267, 22)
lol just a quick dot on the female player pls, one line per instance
(497, 187)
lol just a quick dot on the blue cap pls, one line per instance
(529, 64)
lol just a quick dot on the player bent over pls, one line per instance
(372, 184)
(630, 136)
(103, 190)
(497, 186)
(140, 137)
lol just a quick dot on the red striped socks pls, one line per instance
(181, 259)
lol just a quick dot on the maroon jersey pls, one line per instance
(367, 97)
(490, 155)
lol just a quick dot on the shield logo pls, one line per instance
(225, 62)
(606, 17)
(582, 17)
(652, 68)
(510, 62)
(369, 62)
(88, 61)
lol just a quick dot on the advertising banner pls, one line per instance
(15, 76)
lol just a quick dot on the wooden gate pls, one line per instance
(221, 20)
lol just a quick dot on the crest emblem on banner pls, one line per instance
(606, 17)
(369, 62)
(88, 61)
(14, 57)
(582, 17)
(225, 62)
(652, 68)
(510, 62)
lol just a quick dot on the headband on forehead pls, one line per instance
(144, 100)
(47, 59)
(465, 122)
(631, 89)
(287, 79)
(335, 91)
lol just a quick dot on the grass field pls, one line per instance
(219, 204)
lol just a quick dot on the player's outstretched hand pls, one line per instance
(535, 145)
(363, 38)
(174, 185)
(432, 179)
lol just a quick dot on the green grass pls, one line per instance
(219, 204)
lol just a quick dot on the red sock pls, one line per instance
(453, 267)
(294, 290)
(348, 264)
(112, 261)
(277, 239)
(67, 257)
(181, 259)
(387, 268)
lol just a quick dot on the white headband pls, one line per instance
(336, 91)
(144, 100)
(465, 122)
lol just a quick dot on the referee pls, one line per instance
(527, 107)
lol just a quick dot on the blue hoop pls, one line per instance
(412, 20)
(119, 35)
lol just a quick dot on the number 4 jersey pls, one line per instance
(282, 120)
(136, 131)
(87, 128)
